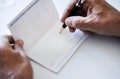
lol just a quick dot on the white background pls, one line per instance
(97, 58)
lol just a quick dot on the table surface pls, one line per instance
(97, 58)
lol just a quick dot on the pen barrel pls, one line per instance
(76, 11)
(73, 11)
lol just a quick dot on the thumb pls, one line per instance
(19, 45)
(19, 48)
(76, 22)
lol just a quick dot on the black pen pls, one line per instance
(75, 8)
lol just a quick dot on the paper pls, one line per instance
(33, 22)
(54, 49)
(39, 29)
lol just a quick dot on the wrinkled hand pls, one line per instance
(101, 18)
(14, 63)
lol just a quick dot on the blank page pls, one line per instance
(33, 22)
(54, 49)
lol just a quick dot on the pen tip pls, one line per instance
(61, 30)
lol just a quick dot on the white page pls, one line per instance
(33, 22)
(38, 26)
(54, 49)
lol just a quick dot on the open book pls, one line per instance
(38, 26)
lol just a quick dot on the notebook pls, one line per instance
(38, 26)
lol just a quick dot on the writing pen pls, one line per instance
(72, 12)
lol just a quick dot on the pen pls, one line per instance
(75, 8)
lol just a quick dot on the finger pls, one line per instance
(19, 44)
(68, 10)
(19, 48)
(11, 41)
(76, 22)
(80, 22)
(83, 23)
(6, 40)
(10, 38)
(72, 29)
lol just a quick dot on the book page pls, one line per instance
(54, 49)
(33, 22)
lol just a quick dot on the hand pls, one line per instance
(101, 18)
(14, 63)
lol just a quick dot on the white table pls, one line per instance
(97, 58)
